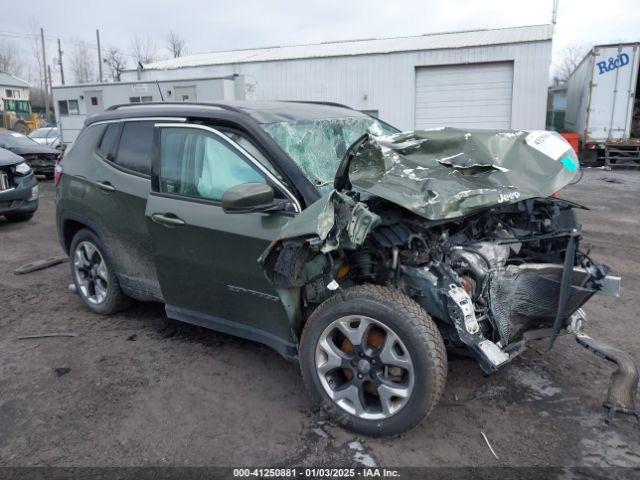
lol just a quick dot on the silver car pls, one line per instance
(47, 136)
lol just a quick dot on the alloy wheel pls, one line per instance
(91, 272)
(364, 367)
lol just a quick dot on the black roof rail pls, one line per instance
(320, 102)
(174, 104)
(223, 106)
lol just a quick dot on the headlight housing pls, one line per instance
(23, 168)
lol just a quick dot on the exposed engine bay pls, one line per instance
(477, 238)
(489, 279)
(463, 222)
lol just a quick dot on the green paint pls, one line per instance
(449, 172)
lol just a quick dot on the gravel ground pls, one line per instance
(133, 389)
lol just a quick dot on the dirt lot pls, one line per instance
(125, 391)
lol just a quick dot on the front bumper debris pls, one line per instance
(624, 381)
(610, 286)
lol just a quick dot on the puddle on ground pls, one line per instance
(536, 385)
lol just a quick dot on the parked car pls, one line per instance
(377, 249)
(47, 136)
(41, 159)
(18, 188)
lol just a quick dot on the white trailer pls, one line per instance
(73, 103)
(603, 104)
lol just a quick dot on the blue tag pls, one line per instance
(570, 164)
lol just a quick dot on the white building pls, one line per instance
(13, 88)
(469, 79)
(73, 103)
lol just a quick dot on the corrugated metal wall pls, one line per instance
(386, 82)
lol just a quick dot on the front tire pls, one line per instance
(94, 276)
(373, 360)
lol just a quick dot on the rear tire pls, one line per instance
(94, 276)
(19, 217)
(399, 367)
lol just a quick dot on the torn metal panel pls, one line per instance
(336, 220)
(297, 258)
(449, 173)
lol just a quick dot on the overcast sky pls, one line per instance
(213, 25)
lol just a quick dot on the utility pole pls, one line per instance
(99, 56)
(60, 62)
(50, 82)
(554, 13)
(44, 68)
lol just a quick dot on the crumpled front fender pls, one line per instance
(299, 253)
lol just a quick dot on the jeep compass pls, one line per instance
(359, 251)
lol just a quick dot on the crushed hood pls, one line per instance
(447, 173)
(34, 149)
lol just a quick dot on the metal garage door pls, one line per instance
(467, 96)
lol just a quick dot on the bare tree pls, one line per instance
(116, 62)
(10, 59)
(36, 50)
(570, 57)
(82, 62)
(176, 44)
(36, 97)
(143, 49)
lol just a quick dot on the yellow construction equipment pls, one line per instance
(16, 115)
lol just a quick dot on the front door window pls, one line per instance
(198, 163)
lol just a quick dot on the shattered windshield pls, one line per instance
(318, 146)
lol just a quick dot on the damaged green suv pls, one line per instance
(359, 251)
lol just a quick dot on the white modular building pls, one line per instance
(73, 103)
(469, 79)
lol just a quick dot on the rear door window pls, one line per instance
(135, 148)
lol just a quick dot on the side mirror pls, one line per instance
(247, 197)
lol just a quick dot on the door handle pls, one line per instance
(106, 186)
(169, 219)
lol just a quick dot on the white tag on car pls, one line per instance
(547, 143)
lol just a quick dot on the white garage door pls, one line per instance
(467, 96)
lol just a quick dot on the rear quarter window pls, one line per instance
(135, 147)
(107, 144)
(82, 148)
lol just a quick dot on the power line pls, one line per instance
(22, 34)
(74, 42)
